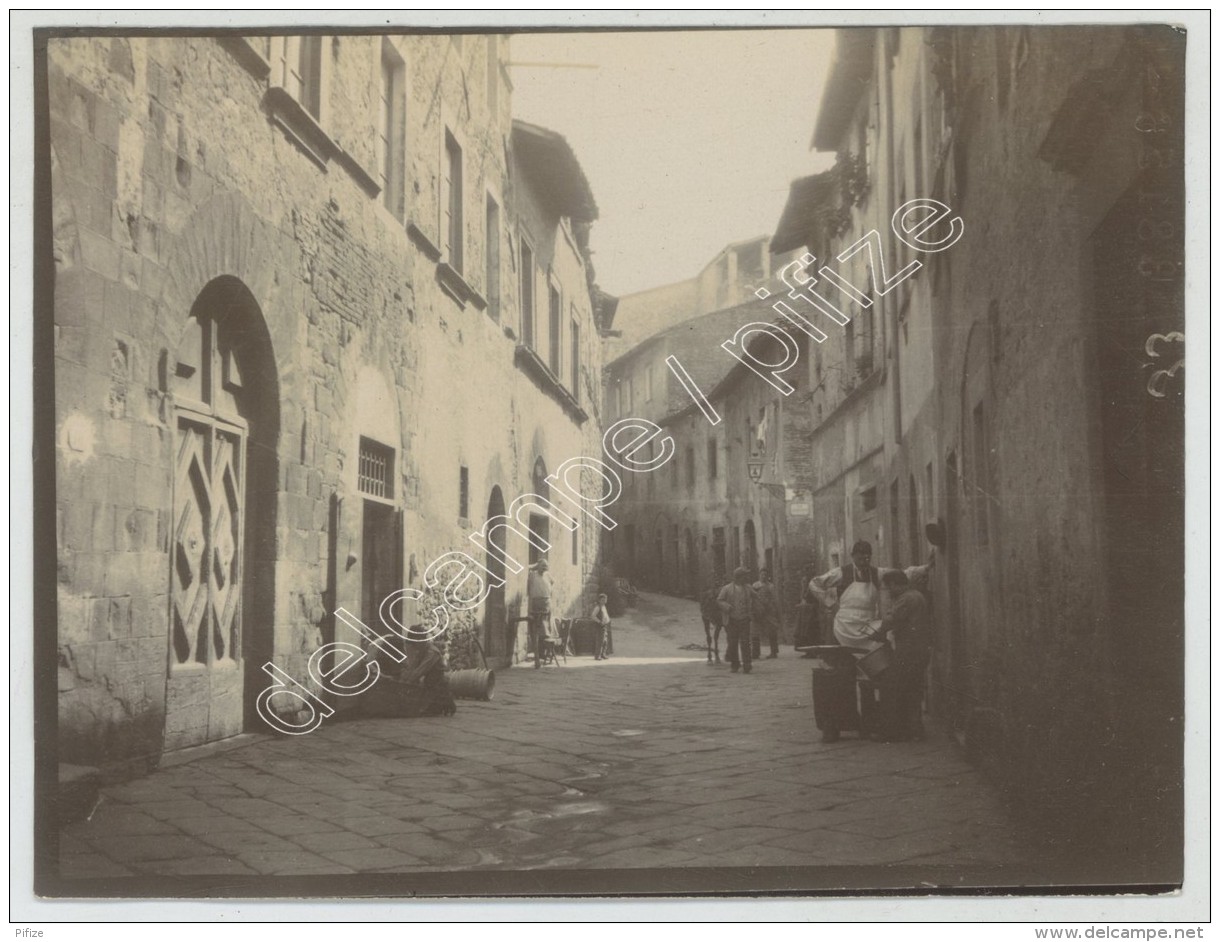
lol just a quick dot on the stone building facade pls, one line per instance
(1024, 396)
(730, 278)
(695, 519)
(321, 308)
(699, 516)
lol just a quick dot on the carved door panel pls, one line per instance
(204, 690)
(204, 683)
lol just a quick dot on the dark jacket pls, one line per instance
(909, 621)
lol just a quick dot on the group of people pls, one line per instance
(747, 613)
(850, 596)
(541, 626)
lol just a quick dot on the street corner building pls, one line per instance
(321, 308)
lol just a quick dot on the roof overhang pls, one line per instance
(809, 198)
(849, 77)
(550, 161)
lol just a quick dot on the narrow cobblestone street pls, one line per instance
(650, 759)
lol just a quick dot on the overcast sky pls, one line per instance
(689, 139)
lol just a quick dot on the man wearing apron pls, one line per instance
(859, 590)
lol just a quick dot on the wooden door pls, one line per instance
(204, 682)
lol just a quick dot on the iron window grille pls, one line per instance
(375, 474)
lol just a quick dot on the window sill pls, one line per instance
(530, 363)
(425, 244)
(303, 130)
(244, 52)
(454, 285)
(300, 126)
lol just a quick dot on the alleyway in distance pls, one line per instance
(650, 759)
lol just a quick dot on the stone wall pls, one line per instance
(173, 171)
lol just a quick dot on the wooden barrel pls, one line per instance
(472, 684)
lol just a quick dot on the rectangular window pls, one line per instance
(575, 360)
(451, 201)
(375, 470)
(309, 75)
(868, 500)
(913, 529)
(576, 546)
(556, 313)
(712, 455)
(493, 75)
(492, 258)
(463, 492)
(527, 293)
(391, 121)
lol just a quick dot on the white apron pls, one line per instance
(856, 618)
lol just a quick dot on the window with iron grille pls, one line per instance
(463, 492)
(375, 474)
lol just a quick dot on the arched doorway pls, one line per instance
(222, 538)
(495, 617)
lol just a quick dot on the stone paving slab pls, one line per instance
(650, 759)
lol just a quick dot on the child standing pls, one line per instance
(602, 615)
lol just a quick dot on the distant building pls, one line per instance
(728, 279)
(704, 513)
(321, 308)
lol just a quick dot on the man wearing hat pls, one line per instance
(539, 592)
(736, 600)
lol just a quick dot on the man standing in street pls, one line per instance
(539, 592)
(766, 615)
(859, 594)
(736, 600)
(908, 625)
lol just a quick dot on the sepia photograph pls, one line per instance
(672, 461)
